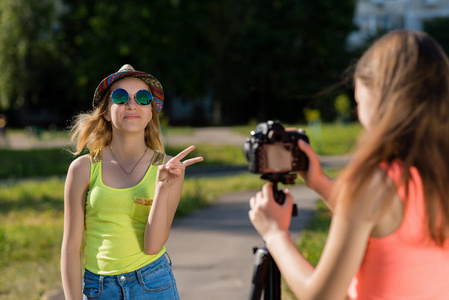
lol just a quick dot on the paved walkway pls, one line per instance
(208, 135)
(211, 249)
(22, 141)
(205, 135)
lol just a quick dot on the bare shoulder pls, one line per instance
(80, 164)
(79, 170)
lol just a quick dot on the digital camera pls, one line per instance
(271, 149)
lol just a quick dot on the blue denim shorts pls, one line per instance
(154, 281)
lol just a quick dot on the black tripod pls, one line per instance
(266, 275)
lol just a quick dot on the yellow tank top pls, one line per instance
(115, 222)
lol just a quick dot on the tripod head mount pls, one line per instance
(285, 178)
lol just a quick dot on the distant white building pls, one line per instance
(372, 16)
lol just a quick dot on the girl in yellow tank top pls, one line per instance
(121, 197)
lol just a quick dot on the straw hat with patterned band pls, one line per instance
(128, 71)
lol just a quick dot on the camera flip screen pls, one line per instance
(278, 157)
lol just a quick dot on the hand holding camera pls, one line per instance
(314, 177)
(274, 153)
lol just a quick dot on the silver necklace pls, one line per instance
(128, 174)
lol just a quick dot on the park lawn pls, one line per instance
(31, 225)
(314, 236)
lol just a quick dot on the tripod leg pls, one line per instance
(261, 265)
(273, 284)
(266, 277)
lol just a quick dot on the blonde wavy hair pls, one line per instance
(93, 131)
(410, 73)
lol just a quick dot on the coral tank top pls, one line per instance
(405, 265)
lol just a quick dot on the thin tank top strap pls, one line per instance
(158, 158)
(95, 166)
(96, 156)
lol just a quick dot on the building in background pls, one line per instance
(375, 16)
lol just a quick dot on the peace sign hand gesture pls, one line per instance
(170, 172)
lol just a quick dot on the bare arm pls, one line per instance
(76, 187)
(169, 184)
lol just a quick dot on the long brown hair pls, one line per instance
(410, 73)
(93, 131)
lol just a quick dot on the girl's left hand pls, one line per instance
(268, 216)
(170, 172)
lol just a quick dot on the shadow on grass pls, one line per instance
(45, 203)
(32, 195)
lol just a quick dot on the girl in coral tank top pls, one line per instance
(388, 237)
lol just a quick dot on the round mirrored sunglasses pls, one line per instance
(121, 96)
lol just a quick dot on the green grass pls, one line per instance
(31, 225)
(214, 155)
(33, 163)
(313, 238)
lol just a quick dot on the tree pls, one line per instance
(260, 59)
(25, 48)
(437, 29)
(158, 36)
(281, 52)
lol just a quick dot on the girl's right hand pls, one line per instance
(170, 172)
